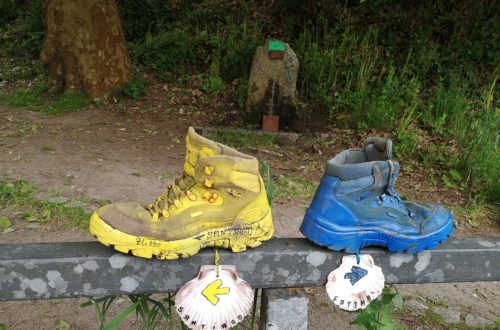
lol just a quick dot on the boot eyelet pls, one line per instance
(178, 203)
(209, 183)
(191, 195)
(165, 213)
(209, 170)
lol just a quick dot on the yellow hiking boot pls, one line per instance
(219, 201)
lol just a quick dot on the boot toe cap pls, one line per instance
(127, 217)
(436, 220)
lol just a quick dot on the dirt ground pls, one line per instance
(113, 154)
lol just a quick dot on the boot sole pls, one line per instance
(237, 238)
(353, 241)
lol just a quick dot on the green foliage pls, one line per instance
(66, 103)
(213, 85)
(24, 97)
(293, 187)
(5, 223)
(151, 311)
(481, 156)
(446, 112)
(20, 195)
(241, 95)
(146, 16)
(378, 313)
(234, 45)
(9, 12)
(148, 309)
(26, 35)
(163, 53)
(33, 98)
(134, 89)
(265, 173)
(242, 140)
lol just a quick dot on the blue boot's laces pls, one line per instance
(393, 195)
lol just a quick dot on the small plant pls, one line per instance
(213, 85)
(451, 179)
(151, 311)
(241, 95)
(378, 314)
(134, 89)
(148, 309)
(265, 173)
(5, 223)
(46, 149)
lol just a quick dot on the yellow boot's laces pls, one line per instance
(171, 196)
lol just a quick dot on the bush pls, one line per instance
(27, 34)
(213, 85)
(133, 89)
(165, 52)
(145, 16)
(9, 12)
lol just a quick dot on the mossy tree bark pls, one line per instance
(84, 48)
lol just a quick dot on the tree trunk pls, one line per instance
(84, 47)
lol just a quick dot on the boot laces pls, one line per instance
(171, 196)
(392, 194)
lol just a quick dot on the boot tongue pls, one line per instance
(393, 174)
(198, 147)
(377, 148)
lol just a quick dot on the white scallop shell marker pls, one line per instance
(353, 286)
(208, 302)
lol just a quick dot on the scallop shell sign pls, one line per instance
(214, 301)
(354, 285)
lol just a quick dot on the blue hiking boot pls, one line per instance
(356, 205)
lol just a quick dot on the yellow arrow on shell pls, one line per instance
(214, 289)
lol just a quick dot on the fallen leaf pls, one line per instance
(473, 223)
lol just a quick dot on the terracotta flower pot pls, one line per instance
(271, 123)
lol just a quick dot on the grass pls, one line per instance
(32, 98)
(476, 211)
(26, 98)
(293, 187)
(19, 199)
(431, 319)
(242, 140)
(66, 104)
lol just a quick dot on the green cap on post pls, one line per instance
(275, 49)
(275, 45)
